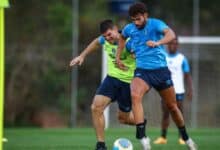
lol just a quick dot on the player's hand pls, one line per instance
(77, 61)
(152, 43)
(133, 56)
(189, 95)
(120, 65)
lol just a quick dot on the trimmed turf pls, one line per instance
(84, 139)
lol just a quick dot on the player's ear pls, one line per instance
(115, 28)
(146, 15)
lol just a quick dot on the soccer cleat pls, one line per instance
(100, 147)
(191, 145)
(160, 140)
(145, 142)
(181, 141)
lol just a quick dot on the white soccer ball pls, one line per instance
(122, 144)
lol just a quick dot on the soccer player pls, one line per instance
(115, 86)
(147, 36)
(180, 71)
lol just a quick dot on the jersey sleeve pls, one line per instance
(125, 31)
(101, 40)
(185, 66)
(128, 46)
(160, 25)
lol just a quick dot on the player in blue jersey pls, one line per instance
(147, 37)
(115, 86)
(180, 71)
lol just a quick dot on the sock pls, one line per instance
(140, 130)
(100, 144)
(164, 133)
(183, 133)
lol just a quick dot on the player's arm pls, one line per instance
(187, 78)
(189, 88)
(94, 45)
(169, 35)
(121, 45)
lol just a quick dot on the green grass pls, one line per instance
(84, 139)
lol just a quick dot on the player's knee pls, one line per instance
(135, 97)
(96, 109)
(172, 107)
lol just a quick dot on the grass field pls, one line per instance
(84, 139)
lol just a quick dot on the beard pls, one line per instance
(141, 26)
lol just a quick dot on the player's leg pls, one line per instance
(123, 97)
(126, 117)
(180, 98)
(104, 95)
(164, 124)
(166, 90)
(98, 106)
(138, 88)
(169, 97)
(180, 105)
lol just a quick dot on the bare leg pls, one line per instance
(165, 119)
(98, 106)
(126, 117)
(169, 97)
(165, 116)
(138, 89)
(180, 105)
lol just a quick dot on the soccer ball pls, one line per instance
(122, 144)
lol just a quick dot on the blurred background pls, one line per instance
(41, 90)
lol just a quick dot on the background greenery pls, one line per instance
(39, 48)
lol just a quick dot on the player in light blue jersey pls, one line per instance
(147, 37)
(180, 71)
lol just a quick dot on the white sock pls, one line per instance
(189, 141)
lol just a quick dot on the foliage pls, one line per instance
(37, 74)
(39, 48)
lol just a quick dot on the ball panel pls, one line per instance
(122, 144)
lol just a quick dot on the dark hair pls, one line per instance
(137, 8)
(105, 25)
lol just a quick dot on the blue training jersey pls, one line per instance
(147, 57)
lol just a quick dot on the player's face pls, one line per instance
(173, 46)
(139, 20)
(111, 35)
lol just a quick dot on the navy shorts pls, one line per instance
(180, 97)
(116, 90)
(159, 79)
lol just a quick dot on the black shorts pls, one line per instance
(116, 90)
(159, 79)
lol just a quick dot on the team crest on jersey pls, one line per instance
(113, 54)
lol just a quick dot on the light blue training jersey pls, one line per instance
(178, 66)
(147, 57)
(185, 64)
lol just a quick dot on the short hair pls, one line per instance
(105, 25)
(137, 8)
